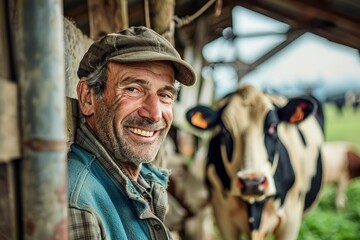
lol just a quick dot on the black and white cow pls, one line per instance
(264, 167)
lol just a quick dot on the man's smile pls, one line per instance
(141, 132)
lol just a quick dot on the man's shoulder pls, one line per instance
(82, 180)
(79, 165)
(78, 156)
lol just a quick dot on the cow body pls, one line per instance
(264, 168)
(342, 164)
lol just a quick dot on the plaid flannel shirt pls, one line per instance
(132, 210)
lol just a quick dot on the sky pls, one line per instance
(311, 60)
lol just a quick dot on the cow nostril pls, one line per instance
(251, 185)
(240, 184)
(263, 184)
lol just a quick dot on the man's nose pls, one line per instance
(151, 108)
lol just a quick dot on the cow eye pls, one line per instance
(272, 130)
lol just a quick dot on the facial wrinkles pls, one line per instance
(115, 101)
(113, 138)
(111, 128)
(147, 150)
(143, 123)
(105, 128)
(150, 73)
(111, 96)
(134, 122)
(145, 82)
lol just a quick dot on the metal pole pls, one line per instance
(42, 95)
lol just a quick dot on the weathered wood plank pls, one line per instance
(8, 198)
(9, 125)
(9, 135)
(162, 15)
(104, 17)
(4, 47)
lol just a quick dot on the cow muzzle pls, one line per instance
(253, 185)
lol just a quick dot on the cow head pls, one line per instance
(246, 150)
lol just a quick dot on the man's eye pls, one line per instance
(167, 98)
(272, 130)
(132, 91)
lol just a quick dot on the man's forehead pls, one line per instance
(132, 71)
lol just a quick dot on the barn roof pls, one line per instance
(336, 20)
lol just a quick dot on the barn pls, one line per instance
(38, 111)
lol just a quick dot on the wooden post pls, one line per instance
(40, 56)
(106, 17)
(9, 134)
(161, 15)
(9, 157)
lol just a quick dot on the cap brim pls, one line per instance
(183, 71)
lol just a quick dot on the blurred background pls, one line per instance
(309, 65)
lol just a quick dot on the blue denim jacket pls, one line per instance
(106, 204)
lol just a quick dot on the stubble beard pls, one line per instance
(136, 155)
(120, 146)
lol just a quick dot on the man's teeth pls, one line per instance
(142, 132)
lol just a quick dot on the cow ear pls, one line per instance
(297, 109)
(202, 117)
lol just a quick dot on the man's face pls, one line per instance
(135, 112)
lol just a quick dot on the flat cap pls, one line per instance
(135, 44)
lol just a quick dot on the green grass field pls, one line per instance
(345, 126)
(325, 222)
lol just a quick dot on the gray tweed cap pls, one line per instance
(135, 44)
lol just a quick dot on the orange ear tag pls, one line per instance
(297, 116)
(198, 120)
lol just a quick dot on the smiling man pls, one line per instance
(128, 84)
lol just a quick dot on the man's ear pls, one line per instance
(85, 98)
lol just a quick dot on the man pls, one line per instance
(128, 84)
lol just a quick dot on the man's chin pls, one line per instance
(138, 154)
(137, 159)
